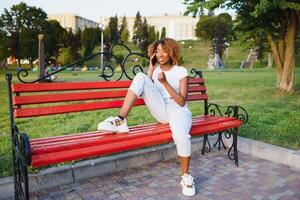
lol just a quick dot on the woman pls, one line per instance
(164, 91)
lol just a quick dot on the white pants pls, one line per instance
(165, 111)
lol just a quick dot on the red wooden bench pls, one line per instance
(27, 100)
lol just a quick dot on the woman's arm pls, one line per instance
(180, 98)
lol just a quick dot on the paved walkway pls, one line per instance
(215, 176)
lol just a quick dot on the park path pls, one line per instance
(215, 176)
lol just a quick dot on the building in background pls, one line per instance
(177, 26)
(73, 22)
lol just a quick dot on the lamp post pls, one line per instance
(101, 26)
(41, 55)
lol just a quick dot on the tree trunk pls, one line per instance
(277, 59)
(288, 74)
(270, 59)
(284, 55)
(31, 63)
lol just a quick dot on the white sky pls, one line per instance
(94, 9)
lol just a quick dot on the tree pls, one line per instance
(278, 20)
(114, 29)
(215, 29)
(53, 39)
(22, 24)
(124, 32)
(89, 40)
(151, 34)
(157, 35)
(4, 46)
(163, 33)
(137, 35)
(65, 56)
(144, 38)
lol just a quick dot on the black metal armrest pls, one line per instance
(235, 111)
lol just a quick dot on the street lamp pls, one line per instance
(101, 27)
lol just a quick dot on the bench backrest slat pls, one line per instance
(46, 87)
(52, 110)
(78, 96)
(103, 95)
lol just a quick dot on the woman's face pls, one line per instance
(162, 55)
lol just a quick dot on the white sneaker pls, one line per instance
(113, 125)
(187, 184)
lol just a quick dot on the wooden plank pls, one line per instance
(197, 88)
(78, 96)
(44, 87)
(106, 149)
(196, 81)
(60, 109)
(195, 97)
(202, 120)
(119, 146)
(48, 146)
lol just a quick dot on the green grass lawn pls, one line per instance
(273, 116)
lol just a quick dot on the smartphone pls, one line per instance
(154, 60)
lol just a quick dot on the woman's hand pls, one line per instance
(162, 78)
(153, 61)
(152, 65)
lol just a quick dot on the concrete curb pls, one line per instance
(68, 174)
(267, 151)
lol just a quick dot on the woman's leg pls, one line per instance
(143, 86)
(128, 104)
(184, 164)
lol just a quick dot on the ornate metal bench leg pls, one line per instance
(236, 158)
(21, 158)
(206, 145)
(220, 141)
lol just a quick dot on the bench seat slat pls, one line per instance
(124, 145)
(98, 138)
(206, 119)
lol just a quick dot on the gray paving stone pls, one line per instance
(216, 177)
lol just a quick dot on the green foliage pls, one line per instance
(89, 39)
(210, 27)
(114, 29)
(151, 34)
(144, 38)
(215, 29)
(157, 35)
(124, 32)
(163, 33)
(107, 35)
(53, 39)
(21, 24)
(137, 34)
(65, 56)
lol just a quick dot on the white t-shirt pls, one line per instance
(173, 76)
